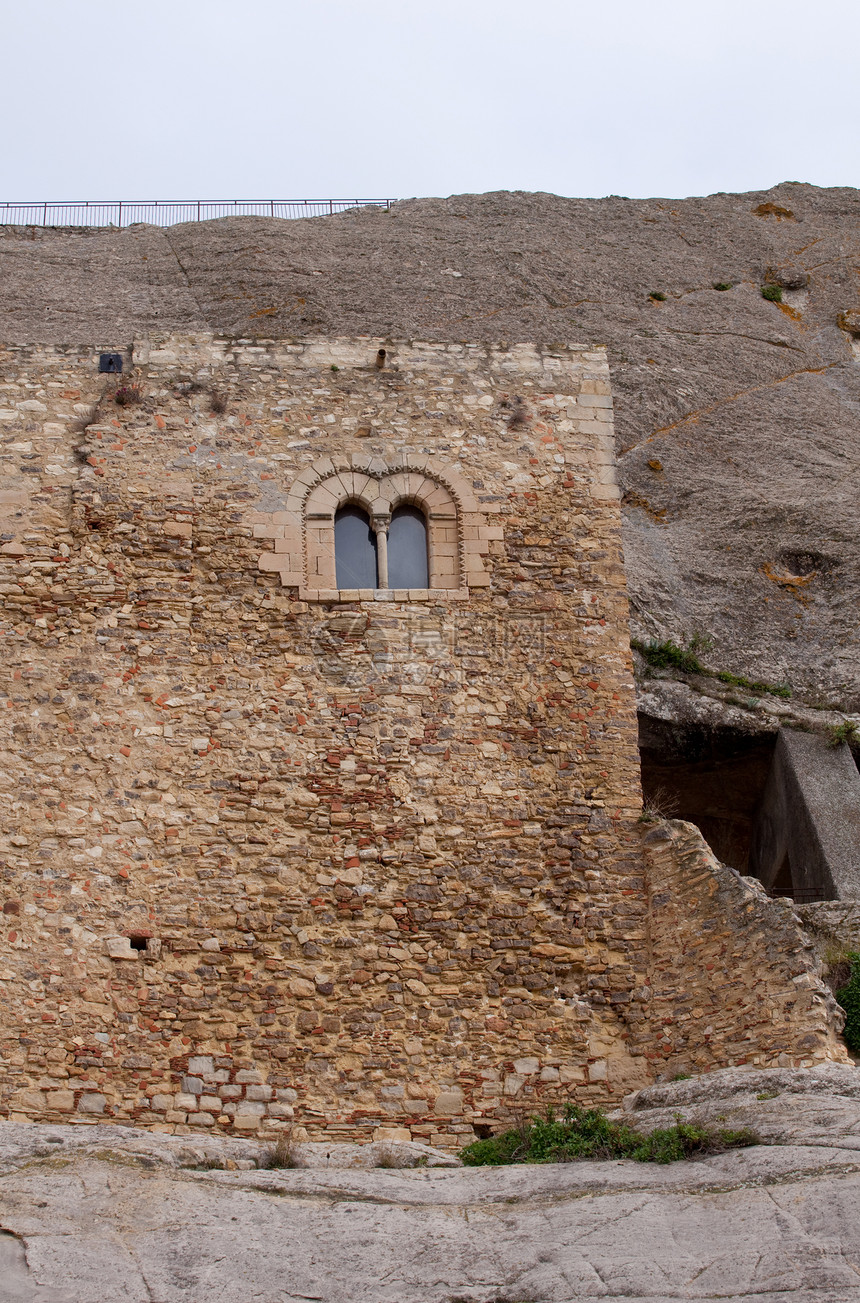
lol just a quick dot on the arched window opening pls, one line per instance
(408, 560)
(354, 549)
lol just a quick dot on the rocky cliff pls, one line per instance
(115, 1215)
(736, 414)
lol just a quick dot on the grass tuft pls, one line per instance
(282, 1154)
(668, 655)
(773, 293)
(755, 685)
(847, 731)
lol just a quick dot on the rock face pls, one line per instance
(109, 1215)
(735, 414)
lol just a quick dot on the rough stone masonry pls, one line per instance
(364, 863)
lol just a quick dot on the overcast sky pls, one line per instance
(260, 99)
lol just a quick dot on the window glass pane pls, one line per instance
(407, 550)
(354, 549)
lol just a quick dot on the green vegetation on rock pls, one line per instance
(755, 685)
(847, 731)
(849, 997)
(587, 1133)
(669, 655)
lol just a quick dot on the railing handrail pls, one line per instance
(127, 212)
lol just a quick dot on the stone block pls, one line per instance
(285, 1111)
(247, 1121)
(29, 1101)
(448, 1103)
(392, 1135)
(62, 1100)
(91, 1102)
(258, 1092)
(120, 948)
(253, 1108)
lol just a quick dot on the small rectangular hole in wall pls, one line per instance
(110, 363)
(138, 942)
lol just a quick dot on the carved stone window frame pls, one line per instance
(458, 532)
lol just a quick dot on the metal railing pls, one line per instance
(168, 213)
(801, 895)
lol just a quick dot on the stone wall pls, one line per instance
(364, 863)
(733, 975)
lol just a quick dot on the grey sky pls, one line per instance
(373, 98)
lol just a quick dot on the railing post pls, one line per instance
(198, 210)
(119, 215)
(45, 214)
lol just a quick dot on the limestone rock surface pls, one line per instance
(736, 416)
(113, 1215)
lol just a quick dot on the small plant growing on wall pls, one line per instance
(217, 403)
(658, 804)
(518, 417)
(127, 395)
(773, 293)
(658, 296)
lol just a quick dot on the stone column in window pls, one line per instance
(380, 526)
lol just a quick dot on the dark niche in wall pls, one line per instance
(712, 777)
